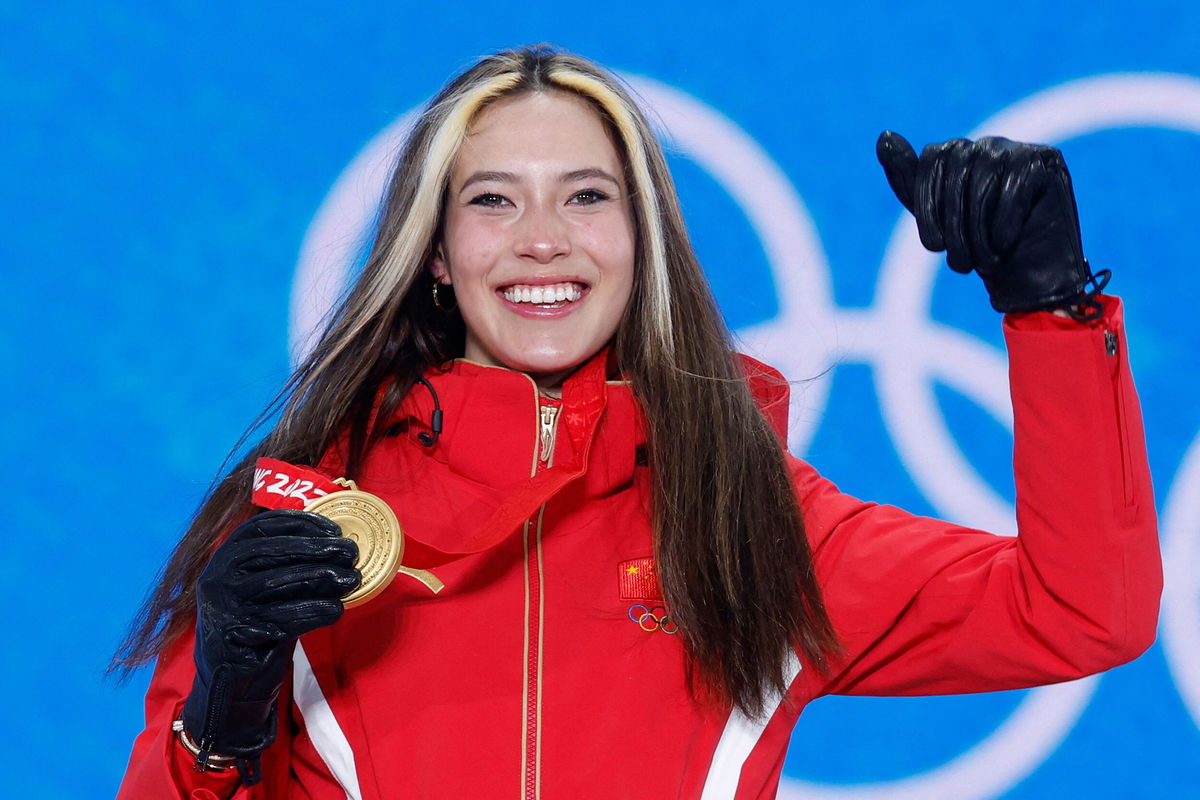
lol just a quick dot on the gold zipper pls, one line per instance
(534, 616)
(549, 415)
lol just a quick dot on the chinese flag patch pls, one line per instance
(639, 580)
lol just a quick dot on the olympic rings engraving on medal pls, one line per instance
(649, 620)
(906, 349)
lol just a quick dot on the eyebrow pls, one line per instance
(584, 174)
(482, 176)
(488, 175)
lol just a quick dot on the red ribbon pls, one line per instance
(278, 484)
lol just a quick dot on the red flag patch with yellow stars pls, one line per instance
(639, 580)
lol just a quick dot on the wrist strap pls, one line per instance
(1084, 307)
(204, 763)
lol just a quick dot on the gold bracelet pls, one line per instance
(214, 761)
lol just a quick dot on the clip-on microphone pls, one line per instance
(435, 422)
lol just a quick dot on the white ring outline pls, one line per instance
(1181, 591)
(875, 336)
(788, 236)
(338, 232)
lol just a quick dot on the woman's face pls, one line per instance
(539, 241)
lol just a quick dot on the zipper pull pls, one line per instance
(1110, 343)
(547, 436)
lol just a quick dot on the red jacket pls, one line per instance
(530, 673)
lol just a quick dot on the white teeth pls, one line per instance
(543, 295)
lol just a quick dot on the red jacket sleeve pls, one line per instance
(160, 767)
(927, 607)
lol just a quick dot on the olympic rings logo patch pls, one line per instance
(653, 618)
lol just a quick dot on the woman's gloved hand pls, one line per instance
(279, 575)
(1005, 209)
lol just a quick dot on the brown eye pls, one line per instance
(489, 200)
(588, 196)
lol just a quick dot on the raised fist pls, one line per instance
(1003, 209)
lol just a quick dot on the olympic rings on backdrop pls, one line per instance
(650, 620)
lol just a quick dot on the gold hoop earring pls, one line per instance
(437, 301)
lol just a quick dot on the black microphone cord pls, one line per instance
(435, 422)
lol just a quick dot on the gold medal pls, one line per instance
(372, 525)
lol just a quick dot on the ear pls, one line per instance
(438, 265)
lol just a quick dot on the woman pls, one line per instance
(642, 588)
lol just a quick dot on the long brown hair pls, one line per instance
(734, 563)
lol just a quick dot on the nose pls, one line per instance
(542, 234)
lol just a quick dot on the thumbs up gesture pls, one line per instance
(1003, 209)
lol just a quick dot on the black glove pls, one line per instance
(1003, 208)
(280, 574)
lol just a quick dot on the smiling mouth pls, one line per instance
(549, 295)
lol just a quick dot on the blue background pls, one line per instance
(162, 162)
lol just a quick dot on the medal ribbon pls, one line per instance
(278, 484)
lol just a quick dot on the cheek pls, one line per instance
(470, 248)
(623, 265)
(611, 244)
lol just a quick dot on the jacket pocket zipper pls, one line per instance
(1111, 350)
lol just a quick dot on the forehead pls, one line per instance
(552, 129)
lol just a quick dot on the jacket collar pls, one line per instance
(491, 420)
(491, 424)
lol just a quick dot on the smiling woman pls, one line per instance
(613, 553)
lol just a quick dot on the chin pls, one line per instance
(545, 365)
(547, 360)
